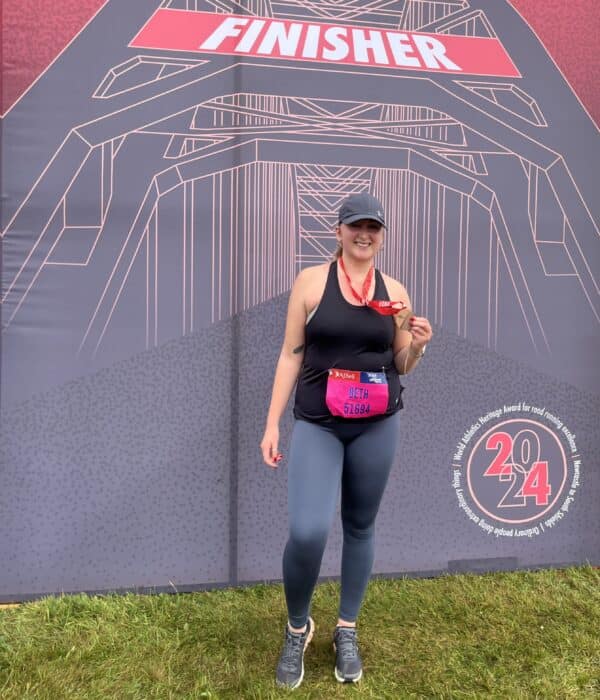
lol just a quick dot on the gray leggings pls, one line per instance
(360, 456)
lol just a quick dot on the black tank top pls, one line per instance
(345, 336)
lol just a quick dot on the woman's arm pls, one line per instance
(288, 367)
(410, 337)
(407, 358)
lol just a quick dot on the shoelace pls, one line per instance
(346, 643)
(294, 644)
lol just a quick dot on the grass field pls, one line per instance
(514, 635)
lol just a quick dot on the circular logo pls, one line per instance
(516, 474)
(516, 471)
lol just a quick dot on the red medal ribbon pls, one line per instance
(366, 284)
(386, 308)
(383, 307)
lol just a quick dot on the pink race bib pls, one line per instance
(356, 394)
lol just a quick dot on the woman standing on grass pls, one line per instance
(345, 345)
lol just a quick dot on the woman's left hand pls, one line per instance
(421, 332)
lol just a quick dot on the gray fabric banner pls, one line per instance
(158, 202)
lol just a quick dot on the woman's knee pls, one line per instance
(358, 531)
(310, 541)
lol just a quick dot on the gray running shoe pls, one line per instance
(348, 666)
(290, 669)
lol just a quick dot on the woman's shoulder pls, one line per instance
(313, 274)
(310, 284)
(393, 284)
(396, 290)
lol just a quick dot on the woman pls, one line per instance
(345, 345)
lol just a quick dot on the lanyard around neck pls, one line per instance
(383, 307)
(366, 284)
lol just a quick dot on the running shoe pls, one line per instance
(348, 666)
(290, 669)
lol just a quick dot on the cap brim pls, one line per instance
(358, 217)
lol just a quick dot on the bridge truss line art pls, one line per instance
(238, 190)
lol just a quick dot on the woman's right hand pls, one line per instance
(269, 446)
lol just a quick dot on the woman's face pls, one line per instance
(361, 239)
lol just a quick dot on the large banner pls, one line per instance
(164, 181)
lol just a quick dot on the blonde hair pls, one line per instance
(338, 251)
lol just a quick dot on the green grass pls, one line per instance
(515, 635)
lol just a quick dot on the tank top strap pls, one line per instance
(332, 292)
(381, 292)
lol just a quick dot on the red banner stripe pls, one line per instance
(206, 32)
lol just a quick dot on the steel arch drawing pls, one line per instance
(224, 173)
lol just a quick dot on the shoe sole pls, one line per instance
(341, 679)
(306, 643)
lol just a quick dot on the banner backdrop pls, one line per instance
(163, 182)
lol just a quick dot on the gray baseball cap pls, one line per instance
(361, 206)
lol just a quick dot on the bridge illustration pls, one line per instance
(156, 193)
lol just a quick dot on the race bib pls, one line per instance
(356, 394)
